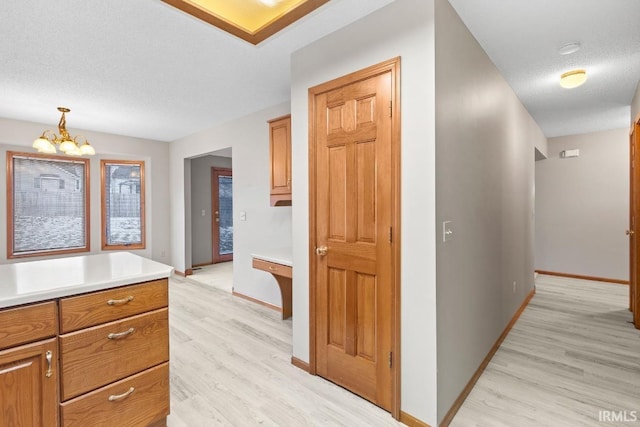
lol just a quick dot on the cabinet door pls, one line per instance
(280, 153)
(28, 385)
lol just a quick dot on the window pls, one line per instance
(122, 183)
(47, 205)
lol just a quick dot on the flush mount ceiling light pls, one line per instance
(71, 146)
(569, 48)
(573, 78)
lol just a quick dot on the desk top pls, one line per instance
(282, 256)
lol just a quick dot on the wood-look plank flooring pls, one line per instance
(217, 275)
(571, 355)
(231, 366)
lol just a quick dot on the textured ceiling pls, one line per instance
(145, 69)
(522, 38)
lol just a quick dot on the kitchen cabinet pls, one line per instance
(28, 385)
(93, 353)
(116, 351)
(29, 372)
(280, 160)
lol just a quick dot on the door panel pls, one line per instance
(28, 385)
(354, 203)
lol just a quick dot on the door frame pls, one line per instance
(634, 284)
(392, 66)
(215, 230)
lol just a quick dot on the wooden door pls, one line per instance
(222, 218)
(634, 216)
(355, 209)
(28, 397)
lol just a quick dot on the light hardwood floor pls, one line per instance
(217, 275)
(231, 366)
(570, 355)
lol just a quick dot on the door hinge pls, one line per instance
(390, 359)
(390, 108)
(390, 234)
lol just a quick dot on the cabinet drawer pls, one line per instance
(273, 268)
(100, 307)
(103, 354)
(26, 324)
(138, 400)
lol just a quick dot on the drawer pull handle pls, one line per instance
(49, 356)
(126, 300)
(272, 268)
(119, 335)
(116, 397)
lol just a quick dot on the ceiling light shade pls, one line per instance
(73, 151)
(69, 145)
(87, 149)
(50, 149)
(573, 78)
(43, 145)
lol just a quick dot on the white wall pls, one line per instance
(582, 206)
(635, 105)
(403, 28)
(201, 232)
(266, 227)
(485, 149)
(19, 135)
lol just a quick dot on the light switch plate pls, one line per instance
(447, 231)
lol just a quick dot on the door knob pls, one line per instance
(322, 251)
(630, 232)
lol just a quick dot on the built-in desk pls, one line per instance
(278, 262)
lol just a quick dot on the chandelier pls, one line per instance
(71, 146)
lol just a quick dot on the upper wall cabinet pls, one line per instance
(280, 157)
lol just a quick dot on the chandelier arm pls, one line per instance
(49, 135)
(86, 141)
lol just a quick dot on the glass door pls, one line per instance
(222, 201)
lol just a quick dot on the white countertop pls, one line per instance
(34, 281)
(282, 256)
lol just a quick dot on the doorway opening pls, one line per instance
(222, 218)
(211, 202)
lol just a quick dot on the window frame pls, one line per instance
(103, 205)
(10, 206)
